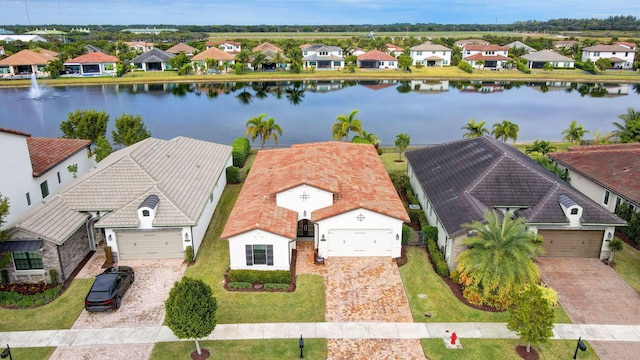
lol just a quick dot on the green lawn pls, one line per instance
(390, 161)
(275, 349)
(306, 304)
(503, 349)
(419, 278)
(37, 353)
(627, 264)
(58, 314)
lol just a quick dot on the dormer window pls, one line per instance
(574, 211)
(145, 213)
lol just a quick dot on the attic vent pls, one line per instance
(150, 202)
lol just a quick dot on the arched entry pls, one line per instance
(305, 228)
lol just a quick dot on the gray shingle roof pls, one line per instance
(546, 56)
(181, 172)
(429, 47)
(152, 56)
(464, 178)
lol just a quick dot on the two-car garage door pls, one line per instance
(350, 242)
(572, 243)
(150, 244)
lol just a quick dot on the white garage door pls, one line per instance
(350, 242)
(153, 244)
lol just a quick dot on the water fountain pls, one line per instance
(37, 91)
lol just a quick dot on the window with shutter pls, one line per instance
(249, 252)
(269, 254)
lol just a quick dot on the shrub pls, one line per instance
(437, 259)
(406, 232)
(188, 254)
(53, 276)
(523, 68)
(411, 196)
(415, 215)
(233, 175)
(262, 277)
(400, 180)
(465, 66)
(240, 285)
(549, 294)
(429, 233)
(5, 276)
(272, 286)
(241, 148)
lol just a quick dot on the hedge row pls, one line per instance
(260, 277)
(233, 175)
(437, 259)
(240, 151)
(632, 218)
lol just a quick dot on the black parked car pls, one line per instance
(109, 288)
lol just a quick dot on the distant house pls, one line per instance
(232, 47)
(153, 60)
(139, 46)
(269, 50)
(621, 56)
(323, 57)
(520, 45)
(565, 44)
(537, 60)
(358, 51)
(91, 48)
(457, 182)
(376, 59)
(1, 50)
(494, 57)
(314, 192)
(154, 30)
(464, 42)
(218, 56)
(394, 50)
(23, 38)
(182, 48)
(36, 168)
(24, 63)
(150, 200)
(607, 174)
(429, 54)
(92, 64)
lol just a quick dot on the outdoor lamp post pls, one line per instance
(301, 344)
(580, 346)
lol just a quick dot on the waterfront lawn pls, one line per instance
(502, 349)
(419, 278)
(306, 304)
(275, 349)
(627, 265)
(58, 314)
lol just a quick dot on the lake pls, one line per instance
(429, 111)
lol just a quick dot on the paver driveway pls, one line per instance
(592, 292)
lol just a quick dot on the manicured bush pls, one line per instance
(400, 180)
(240, 151)
(53, 276)
(523, 68)
(429, 233)
(261, 277)
(272, 286)
(188, 254)
(465, 66)
(233, 175)
(437, 259)
(240, 285)
(406, 232)
(411, 196)
(414, 215)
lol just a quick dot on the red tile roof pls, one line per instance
(353, 172)
(181, 47)
(213, 53)
(266, 46)
(27, 57)
(94, 57)
(394, 47)
(489, 47)
(480, 56)
(376, 55)
(616, 167)
(17, 132)
(625, 43)
(46, 153)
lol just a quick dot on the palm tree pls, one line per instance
(474, 130)
(506, 130)
(243, 58)
(278, 59)
(258, 127)
(630, 130)
(574, 132)
(345, 124)
(500, 255)
(541, 146)
(258, 59)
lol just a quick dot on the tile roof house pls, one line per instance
(493, 56)
(536, 60)
(92, 64)
(457, 182)
(182, 48)
(394, 50)
(139, 46)
(336, 194)
(220, 58)
(464, 42)
(607, 174)
(267, 46)
(428, 54)
(232, 47)
(323, 57)
(520, 45)
(150, 200)
(621, 56)
(270, 51)
(153, 60)
(376, 59)
(26, 62)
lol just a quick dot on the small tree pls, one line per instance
(531, 316)
(402, 142)
(85, 124)
(615, 245)
(547, 66)
(129, 130)
(54, 68)
(103, 148)
(603, 64)
(178, 61)
(191, 310)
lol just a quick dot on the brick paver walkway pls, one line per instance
(362, 289)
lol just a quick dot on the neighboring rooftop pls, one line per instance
(376, 55)
(45, 153)
(546, 56)
(94, 57)
(213, 53)
(153, 55)
(27, 57)
(181, 48)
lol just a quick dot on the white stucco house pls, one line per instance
(607, 174)
(493, 56)
(621, 54)
(537, 60)
(92, 64)
(150, 200)
(457, 182)
(376, 59)
(323, 57)
(36, 168)
(429, 54)
(337, 195)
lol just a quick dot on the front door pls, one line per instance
(305, 228)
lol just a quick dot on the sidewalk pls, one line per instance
(344, 330)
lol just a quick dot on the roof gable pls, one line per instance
(27, 57)
(94, 57)
(153, 55)
(45, 153)
(213, 53)
(376, 55)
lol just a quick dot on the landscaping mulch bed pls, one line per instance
(27, 289)
(402, 260)
(260, 287)
(204, 354)
(522, 352)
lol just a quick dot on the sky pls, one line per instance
(302, 12)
